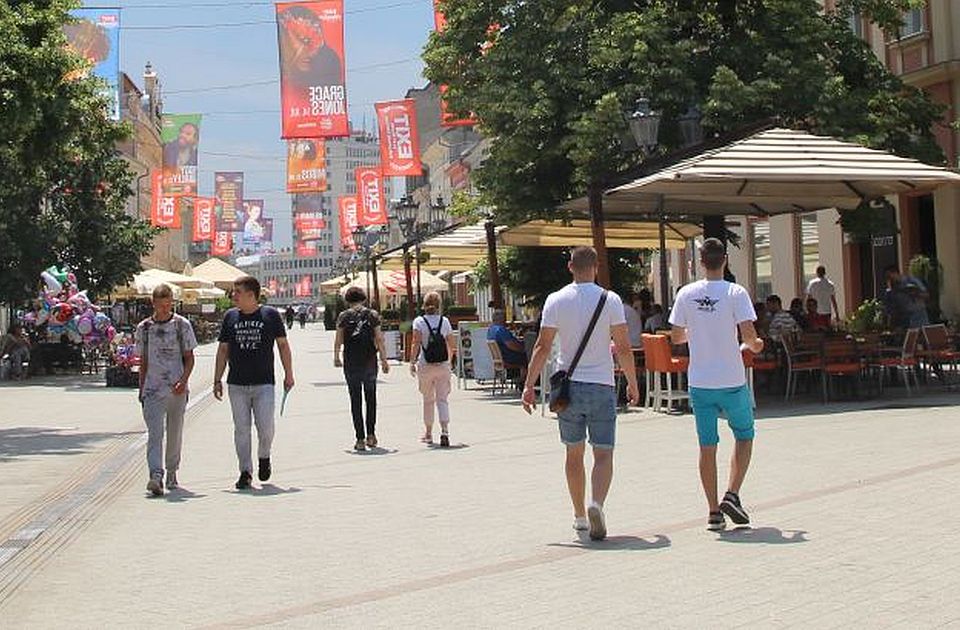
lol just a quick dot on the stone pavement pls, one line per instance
(853, 511)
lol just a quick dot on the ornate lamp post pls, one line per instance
(406, 212)
(645, 127)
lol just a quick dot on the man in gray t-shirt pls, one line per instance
(165, 344)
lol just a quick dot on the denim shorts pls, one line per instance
(593, 410)
(734, 403)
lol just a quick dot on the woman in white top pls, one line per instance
(430, 354)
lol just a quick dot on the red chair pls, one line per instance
(903, 360)
(840, 358)
(662, 366)
(798, 362)
(937, 350)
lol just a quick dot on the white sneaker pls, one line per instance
(581, 524)
(598, 525)
(155, 485)
(172, 483)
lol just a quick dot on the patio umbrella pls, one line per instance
(178, 279)
(394, 282)
(621, 234)
(220, 273)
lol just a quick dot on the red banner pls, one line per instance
(222, 244)
(306, 250)
(304, 287)
(274, 286)
(204, 218)
(370, 198)
(348, 222)
(306, 165)
(165, 209)
(399, 145)
(313, 91)
(439, 19)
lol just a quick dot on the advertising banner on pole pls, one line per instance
(165, 209)
(253, 227)
(309, 217)
(304, 287)
(306, 165)
(204, 218)
(348, 221)
(399, 145)
(274, 286)
(370, 197)
(180, 136)
(228, 189)
(266, 244)
(222, 244)
(95, 36)
(446, 118)
(305, 249)
(313, 91)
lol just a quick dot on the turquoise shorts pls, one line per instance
(733, 403)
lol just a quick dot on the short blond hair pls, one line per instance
(432, 303)
(583, 258)
(162, 291)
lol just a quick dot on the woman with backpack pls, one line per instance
(430, 355)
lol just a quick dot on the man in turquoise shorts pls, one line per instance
(707, 315)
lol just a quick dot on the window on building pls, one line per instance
(762, 266)
(856, 23)
(809, 237)
(912, 23)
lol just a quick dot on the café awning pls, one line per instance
(220, 273)
(457, 250)
(619, 234)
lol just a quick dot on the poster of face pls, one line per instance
(204, 218)
(95, 36)
(313, 91)
(180, 135)
(306, 165)
(399, 145)
(371, 200)
(228, 189)
(253, 226)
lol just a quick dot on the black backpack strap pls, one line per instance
(586, 335)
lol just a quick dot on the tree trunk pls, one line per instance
(408, 276)
(376, 284)
(595, 197)
(495, 291)
(716, 227)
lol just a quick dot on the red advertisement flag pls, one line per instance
(450, 120)
(313, 91)
(439, 19)
(204, 218)
(348, 221)
(305, 249)
(165, 210)
(370, 198)
(222, 244)
(273, 286)
(304, 287)
(399, 145)
(306, 165)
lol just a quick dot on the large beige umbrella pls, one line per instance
(459, 249)
(220, 273)
(620, 234)
(178, 279)
(142, 286)
(394, 282)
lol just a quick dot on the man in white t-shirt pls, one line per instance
(634, 323)
(824, 292)
(707, 315)
(593, 399)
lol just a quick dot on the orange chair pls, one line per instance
(840, 357)
(904, 360)
(662, 366)
(937, 350)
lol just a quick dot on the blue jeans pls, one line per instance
(593, 411)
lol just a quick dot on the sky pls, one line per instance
(241, 126)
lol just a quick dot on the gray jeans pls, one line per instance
(258, 400)
(159, 410)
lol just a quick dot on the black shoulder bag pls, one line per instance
(560, 380)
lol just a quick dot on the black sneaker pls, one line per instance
(243, 483)
(360, 446)
(445, 441)
(716, 522)
(732, 508)
(263, 472)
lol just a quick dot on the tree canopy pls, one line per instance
(63, 185)
(551, 82)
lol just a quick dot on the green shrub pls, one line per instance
(869, 317)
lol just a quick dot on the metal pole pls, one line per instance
(496, 292)
(366, 272)
(376, 284)
(664, 273)
(419, 295)
(409, 280)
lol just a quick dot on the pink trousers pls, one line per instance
(434, 380)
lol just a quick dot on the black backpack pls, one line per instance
(358, 338)
(436, 349)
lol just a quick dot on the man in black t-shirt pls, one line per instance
(247, 336)
(358, 333)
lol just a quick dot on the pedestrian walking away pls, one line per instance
(585, 317)
(247, 337)
(431, 352)
(708, 315)
(360, 337)
(165, 344)
(302, 316)
(288, 314)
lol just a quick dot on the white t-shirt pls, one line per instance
(569, 311)
(822, 291)
(634, 325)
(420, 324)
(711, 310)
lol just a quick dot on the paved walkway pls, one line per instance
(854, 519)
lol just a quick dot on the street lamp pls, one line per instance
(405, 214)
(690, 127)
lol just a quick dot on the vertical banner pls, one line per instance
(253, 226)
(304, 287)
(446, 119)
(306, 165)
(313, 91)
(370, 198)
(309, 222)
(274, 286)
(266, 244)
(228, 189)
(165, 209)
(95, 36)
(204, 219)
(222, 244)
(399, 146)
(306, 250)
(180, 135)
(348, 222)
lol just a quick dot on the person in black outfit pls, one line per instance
(358, 333)
(288, 314)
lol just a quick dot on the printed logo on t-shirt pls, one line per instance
(249, 334)
(706, 304)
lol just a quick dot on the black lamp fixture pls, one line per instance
(360, 238)
(383, 236)
(690, 126)
(406, 214)
(644, 125)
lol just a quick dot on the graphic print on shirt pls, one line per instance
(706, 304)
(248, 334)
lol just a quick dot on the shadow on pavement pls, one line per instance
(26, 441)
(763, 536)
(266, 490)
(181, 495)
(617, 543)
(452, 447)
(379, 450)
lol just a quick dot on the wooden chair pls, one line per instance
(903, 360)
(840, 357)
(799, 361)
(937, 350)
(499, 369)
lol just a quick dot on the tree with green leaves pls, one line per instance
(552, 82)
(63, 184)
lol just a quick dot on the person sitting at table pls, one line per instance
(798, 314)
(781, 322)
(655, 320)
(510, 347)
(815, 320)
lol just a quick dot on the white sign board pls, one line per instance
(474, 360)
